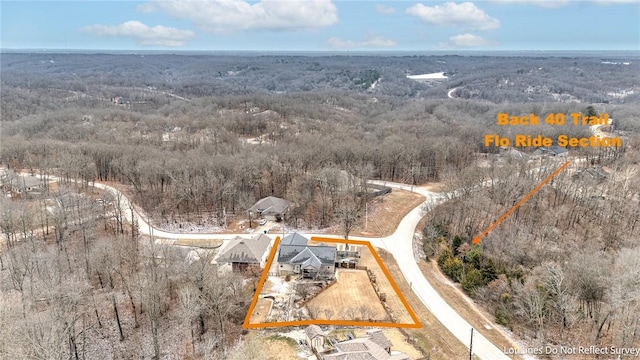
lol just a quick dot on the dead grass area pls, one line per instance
(272, 348)
(261, 311)
(398, 309)
(280, 349)
(201, 243)
(399, 342)
(351, 298)
(433, 186)
(433, 338)
(384, 214)
(464, 306)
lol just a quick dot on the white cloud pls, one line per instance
(467, 40)
(150, 36)
(236, 15)
(465, 15)
(376, 41)
(384, 9)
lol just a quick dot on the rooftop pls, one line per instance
(242, 250)
(294, 239)
(271, 205)
(306, 255)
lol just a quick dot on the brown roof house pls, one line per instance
(271, 208)
(238, 253)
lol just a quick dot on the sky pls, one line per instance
(321, 25)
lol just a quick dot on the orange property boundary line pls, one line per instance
(416, 323)
(476, 239)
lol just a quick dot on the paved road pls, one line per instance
(399, 244)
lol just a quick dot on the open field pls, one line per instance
(384, 214)
(351, 298)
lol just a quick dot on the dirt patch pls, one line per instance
(384, 213)
(433, 339)
(260, 312)
(352, 297)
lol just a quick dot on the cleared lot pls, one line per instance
(351, 298)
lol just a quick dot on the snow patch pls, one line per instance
(431, 76)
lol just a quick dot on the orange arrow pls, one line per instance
(476, 239)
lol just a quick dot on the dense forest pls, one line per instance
(193, 136)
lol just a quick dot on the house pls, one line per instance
(511, 153)
(271, 208)
(553, 150)
(595, 173)
(25, 184)
(315, 338)
(308, 261)
(373, 346)
(239, 253)
(378, 337)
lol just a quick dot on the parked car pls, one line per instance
(263, 221)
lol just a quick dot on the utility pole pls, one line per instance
(366, 214)
(471, 345)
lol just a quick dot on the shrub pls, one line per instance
(471, 281)
(502, 316)
(445, 255)
(453, 269)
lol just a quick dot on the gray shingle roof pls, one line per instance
(378, 337)
(313, 330)
(24, 182)
(294, 239)
(360, 348)
(241, 250)
(271, 205)
(299, 254)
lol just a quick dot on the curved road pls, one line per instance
(399, 244)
